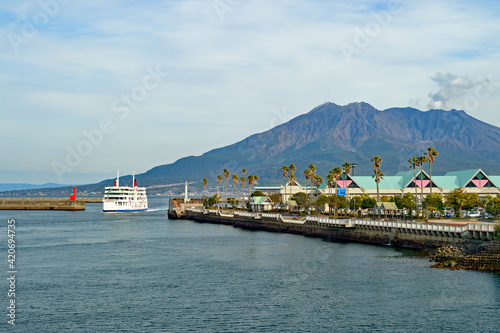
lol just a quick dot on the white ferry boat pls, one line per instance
(124, 199)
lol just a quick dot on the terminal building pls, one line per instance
(473, 181)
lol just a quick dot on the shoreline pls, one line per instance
(45, 203)
(452, 247)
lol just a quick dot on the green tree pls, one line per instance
(432, 153)
(339, 202)
(333, 201)
(211, 201)
(275, 198)
(355, 202)
(472, 200)
(300, 198)
(433, 203)
(456, 199)
(407, 201)
(257, 194)
(343, 203)
(493, 206)
(386, 198)
(321, 202)
(367, 201)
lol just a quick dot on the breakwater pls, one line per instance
(43, 203)
(475, 241)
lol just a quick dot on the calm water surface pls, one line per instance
(91, 272)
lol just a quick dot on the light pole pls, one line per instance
(353, 166)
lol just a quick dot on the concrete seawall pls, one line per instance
(345, 233)
(41, 204)
(478, 252)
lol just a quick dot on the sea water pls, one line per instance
(86, 271)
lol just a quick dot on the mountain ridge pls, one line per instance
(330, 135)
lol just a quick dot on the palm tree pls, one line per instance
(205, 183)
(347, 170)
(311, 167)
(420, 161)
(337, 172)
(243, 180)
(317, 180)
(226, 175)
(307, 175)
(330, 178)
(255, 179)
(244, 172)
(292, 181)
(378, 174)
(250, 185)
(292, 176)
(432, 153)
(334, 176)
(219, 180)
(413, 164)
(331, 181)
(236, 179)
(284, 171)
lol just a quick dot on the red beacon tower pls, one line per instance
(73, 197)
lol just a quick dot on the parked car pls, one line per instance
(474, 214)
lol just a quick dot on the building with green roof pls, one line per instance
(472, 181)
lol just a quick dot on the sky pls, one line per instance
(89, 87)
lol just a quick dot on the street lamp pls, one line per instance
(353, 166)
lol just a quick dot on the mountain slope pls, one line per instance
(330, 135)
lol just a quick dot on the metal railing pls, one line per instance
(357, 222)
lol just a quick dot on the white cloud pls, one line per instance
(225, 76)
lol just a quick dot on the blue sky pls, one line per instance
(89, 87)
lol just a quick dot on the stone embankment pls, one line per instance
(482, 257)
(470, 246)
(42, 204)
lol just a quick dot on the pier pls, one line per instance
(413, 230)
(45, 203)
(475, 244)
